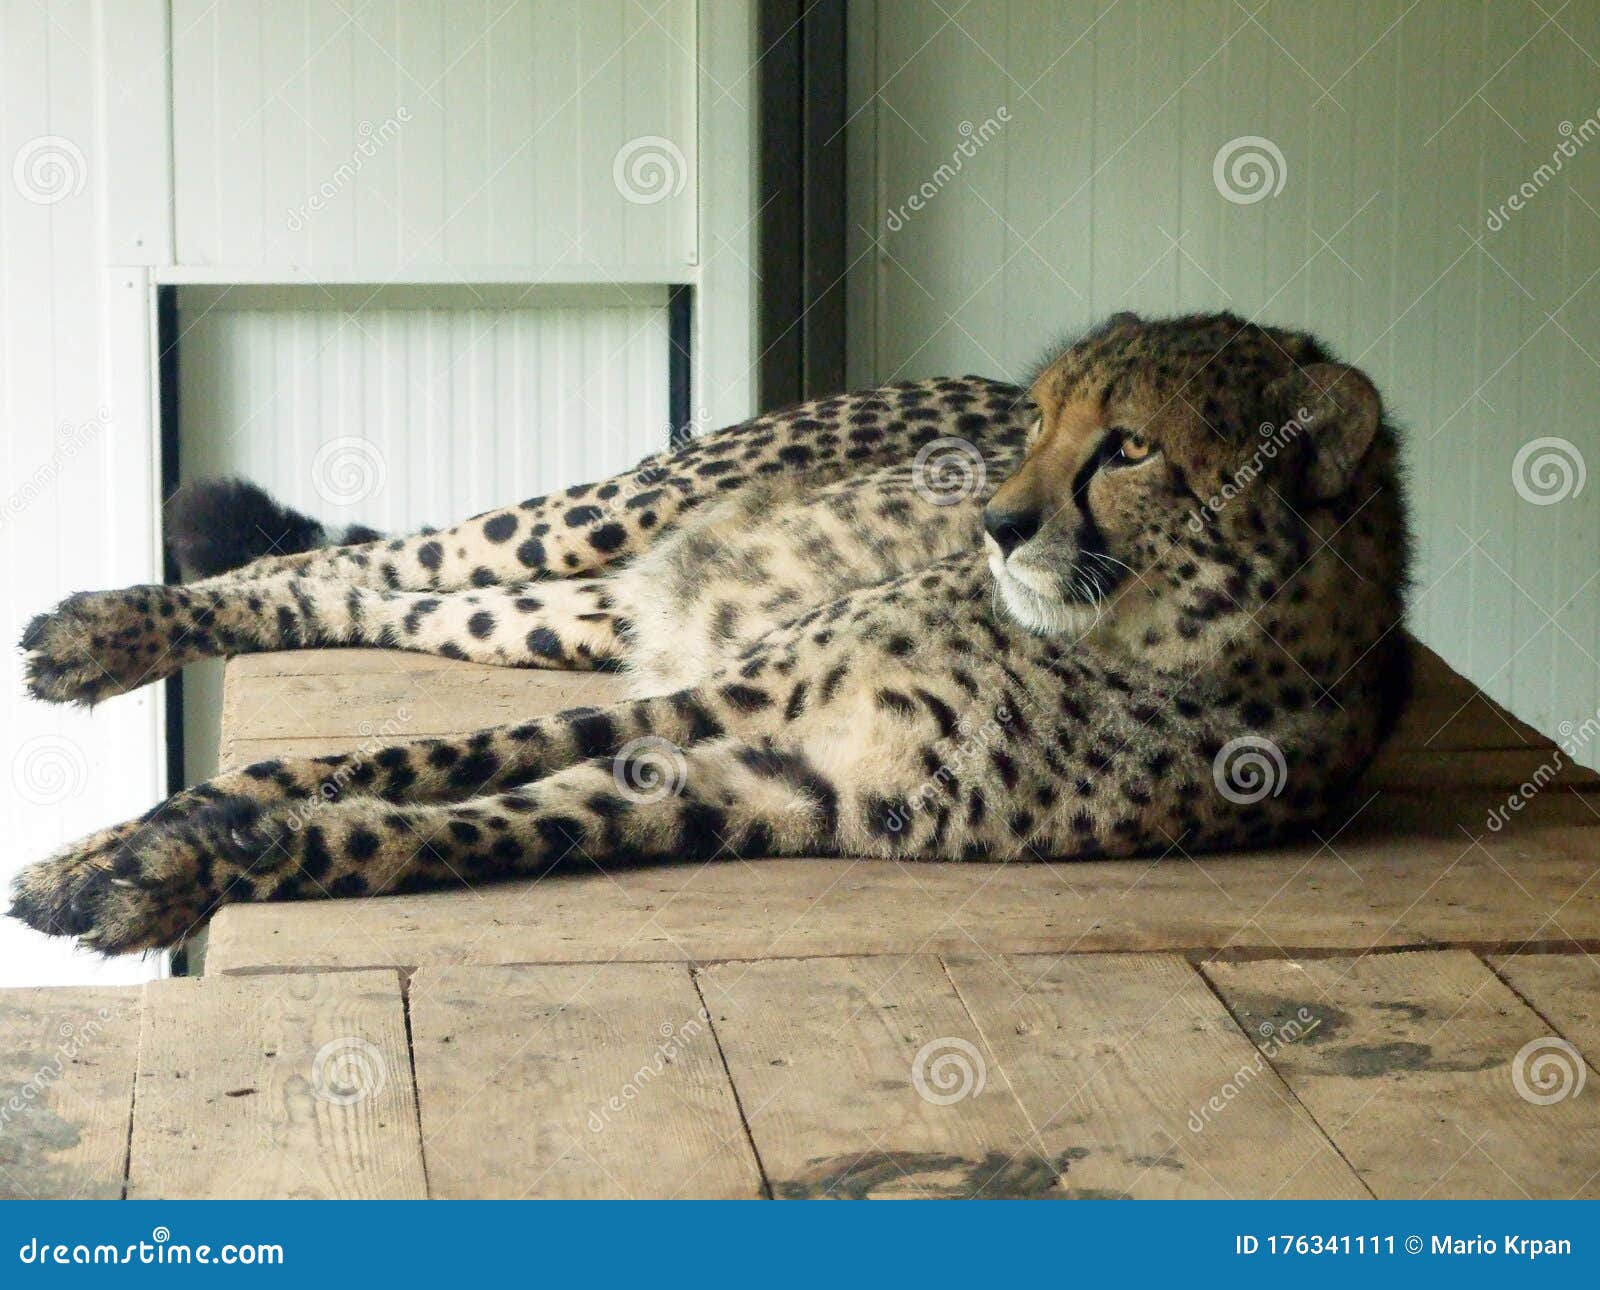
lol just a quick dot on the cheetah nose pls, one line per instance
(1010, 529)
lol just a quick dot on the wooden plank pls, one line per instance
(1446, 714)
(866, 1077)
(335, 662)
(1399, 815)
(1129, 1067)
(1424, 889)
(1424, 770)
(574, 1082)
(285, 1087)
(1447, 711)
(1471, 720)
(397, 702)
(1564, 989)
(1412, 1069)
(66, 1090)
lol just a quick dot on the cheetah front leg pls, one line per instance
(98, 644)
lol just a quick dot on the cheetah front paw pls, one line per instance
(155, 885)
(100, 643)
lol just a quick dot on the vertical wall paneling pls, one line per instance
(396, 139)
(1401, 127)
(132, 41)
(77, 458)
(725, 363)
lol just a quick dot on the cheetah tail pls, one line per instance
(217, 525)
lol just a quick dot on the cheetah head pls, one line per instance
(1180, 471)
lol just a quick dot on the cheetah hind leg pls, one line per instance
(719, 796)
(236, 827)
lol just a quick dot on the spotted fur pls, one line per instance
(1197, 542)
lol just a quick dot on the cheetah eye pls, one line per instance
(1131, 449)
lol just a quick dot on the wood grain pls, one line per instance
(1129, 1067)
(1410, 1064)
(281, 1087)
(1387, 891)
(1564, 989)
(66, 1089)
(1423, 770)
(866, 1077)
(355, 696)
(575, 1082)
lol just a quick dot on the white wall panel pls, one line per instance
(410, 406)
(404, 136)
(77, 449)
(1401, 127)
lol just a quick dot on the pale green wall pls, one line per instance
(1400, 128)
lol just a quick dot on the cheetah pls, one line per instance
(1148, 603)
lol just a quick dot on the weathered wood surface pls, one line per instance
(66, 1091)
(1564, 989)
(294, 1086)
(866, 1077)
(599, 1081)
(1432, 1078)
(1421, 890)
(1131, 1070)
(1395, 1074)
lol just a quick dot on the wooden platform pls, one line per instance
(1399, 1007)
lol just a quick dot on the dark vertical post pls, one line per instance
(167, 385)
(823, 35)
(800, 314)
(680, 394)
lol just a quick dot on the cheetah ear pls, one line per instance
(1126, 318)
(1338, 410)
